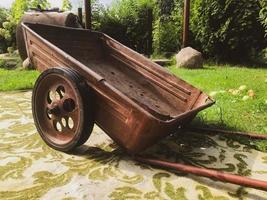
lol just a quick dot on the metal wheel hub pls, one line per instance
(59, 111)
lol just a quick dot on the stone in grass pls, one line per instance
(27, 64)
(189, 58)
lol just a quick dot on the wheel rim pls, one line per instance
(58, 109)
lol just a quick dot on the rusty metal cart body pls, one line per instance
(135, 101)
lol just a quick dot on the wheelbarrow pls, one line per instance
(88, 77)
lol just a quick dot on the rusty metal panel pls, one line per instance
(137, 101)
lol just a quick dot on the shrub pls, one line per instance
(9, 20)
(10, 50)
(167, 27)
(263, 15)
(66, 5)
(3, 18)
(20, 6)
(126, 21)
(8, 32)
(228, 30)
(3, 64)
(42, 3)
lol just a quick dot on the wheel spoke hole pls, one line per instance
(50, 97)
(60, 92)
(69, 105)
(48, 114)
(58, 127)
(57, 96)
(70, 123)
(64, 122)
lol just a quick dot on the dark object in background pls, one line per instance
(162, 62)
(49, 17)
(88, 14)
(186, 22)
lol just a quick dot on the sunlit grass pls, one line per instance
(231, 111)
(17, 79)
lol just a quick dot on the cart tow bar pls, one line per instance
(212, 174)
(209, 173)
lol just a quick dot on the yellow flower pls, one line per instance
(251, 93)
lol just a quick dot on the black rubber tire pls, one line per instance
(86, 114)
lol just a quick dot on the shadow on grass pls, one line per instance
(257, 144)
(248, 64)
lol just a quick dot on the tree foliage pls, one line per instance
(263, 15)
(228, 30)
(166, 7)
(42, 3)
(7, 31)
(66, 5)
(167, 26)
(18, 8)
(126, 21)
(3, 18)
(11, 19)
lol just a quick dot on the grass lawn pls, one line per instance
(17, 79)
(232, 110)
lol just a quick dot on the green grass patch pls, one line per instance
(17, 79)
(232, 110)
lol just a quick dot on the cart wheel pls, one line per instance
(61, 111)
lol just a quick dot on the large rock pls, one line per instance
(189, 58)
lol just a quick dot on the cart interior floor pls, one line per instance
(150, 96)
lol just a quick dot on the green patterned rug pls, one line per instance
(100, 170)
